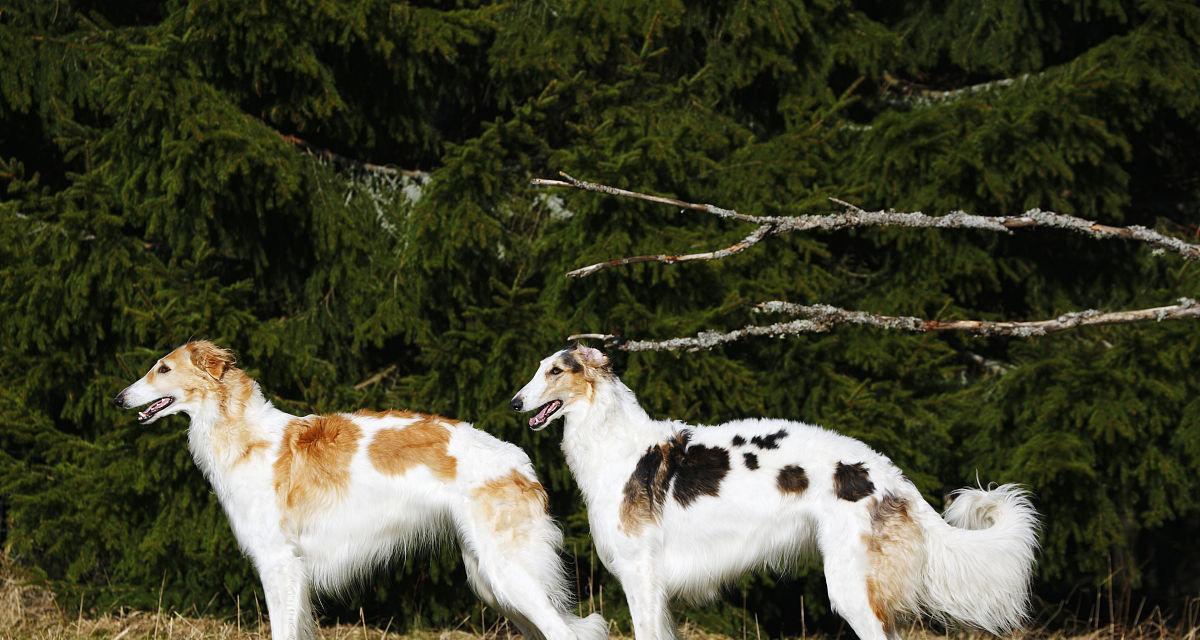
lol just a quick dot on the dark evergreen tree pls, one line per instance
(156, 187)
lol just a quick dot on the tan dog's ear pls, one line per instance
(211, 359)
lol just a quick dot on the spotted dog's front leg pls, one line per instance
(642, 581)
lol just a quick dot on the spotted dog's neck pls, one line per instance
(608, 436)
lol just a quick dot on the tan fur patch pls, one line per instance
(233, 439)
(510, 503)
(313, 466)
(396, 450)
(895, 550)
(878, 607)
(251, 448)
(391, 413)
(579, 385)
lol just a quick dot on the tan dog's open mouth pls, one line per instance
(155, 407)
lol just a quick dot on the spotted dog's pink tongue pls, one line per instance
(544, 412)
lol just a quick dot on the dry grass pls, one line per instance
(30, 612)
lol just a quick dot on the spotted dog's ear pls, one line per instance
(210, 358)
(590, 356)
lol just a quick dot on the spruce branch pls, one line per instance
(339, 160)
(856, 217)
(824, 318)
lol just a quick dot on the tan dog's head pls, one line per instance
(564, 382)
(181, 381)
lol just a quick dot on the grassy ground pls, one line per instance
(30, 612)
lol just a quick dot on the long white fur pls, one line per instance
(378, 517)
(973, 567)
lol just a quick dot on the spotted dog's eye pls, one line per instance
(555, 371)
(164, 369)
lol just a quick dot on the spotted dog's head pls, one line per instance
(182, 380)
(564, 382)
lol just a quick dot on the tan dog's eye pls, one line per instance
(164, 369)
(555, 371)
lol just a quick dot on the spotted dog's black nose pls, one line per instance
(516, 403)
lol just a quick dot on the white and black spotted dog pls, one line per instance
(678, 510)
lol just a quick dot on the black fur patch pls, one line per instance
(738, 441)
(769, 441)
(696, 471)
(700, 473)
(677, 449)
(792, 479)
(646, 489)
(751, 461)
(571, 363)
(852, 482)
(643, 486)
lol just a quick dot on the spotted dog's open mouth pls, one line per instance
(155, 407)
(539, 419)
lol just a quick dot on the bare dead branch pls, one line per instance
(705, 339)
(737, 247)
(376, 378)
(856, 217)
(827, 315)
(823, 318)
(568, 181)
(913, 94)
(588, 336)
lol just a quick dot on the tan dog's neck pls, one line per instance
(234, 426)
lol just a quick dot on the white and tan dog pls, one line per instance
(678, 510)
(316, 501)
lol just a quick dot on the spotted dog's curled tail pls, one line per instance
(979, 559)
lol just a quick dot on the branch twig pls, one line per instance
(829, 316)
(823, 318)
(856, 217)
(568, 181)
(737, 247)
(376, 378)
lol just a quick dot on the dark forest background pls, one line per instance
(153, 188)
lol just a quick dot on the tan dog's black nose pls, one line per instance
(119, 399)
